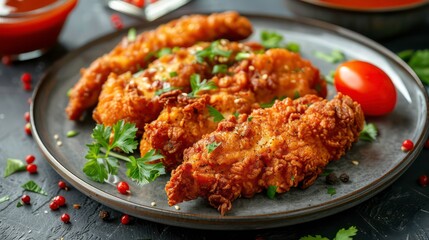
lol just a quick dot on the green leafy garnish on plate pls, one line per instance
(197, 85)
(212, 146)
(102, 161)
(419, 62)
(369, 132)
(217, 116)
(271, 191)
(335, 56)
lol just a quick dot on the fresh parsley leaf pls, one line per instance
(419, 62)
(197, 85)
(142, 170)
(346, 234)
(211, 52)
(241, 56)
(97, 169)
(72, 133)
(330, 77)
(33, 187)
(236, 114)
(101, 134)
(271, 191)
(173, 74)
(13, 166)
(220, 68)
(342, 234)
(4, 199)
(19, 204)
(217, 116)
(132, 34)
(271, 39)
(212, 146)
(331, 191)
(293, 47)
(268, 104)
(369, 132)
(249, 119)
(164, 90)
(163, 51)
(335, 56)
(124, 137)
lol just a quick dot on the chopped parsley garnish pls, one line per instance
(212, 146)
(173, 74)
(220, 68)
(197, 85)
(271, 191)
(271, 103)
(217, 116)
(419, 62)
(19, 204)
(331, 191)
(249, 118)
(330, 77)
(4, 199)
(13, 166)
(72, 133)
(369, 132)
(132, 34)
(236, 114)
(163, 52)
(241, 56)
(164, 90)
(142, 170)
(293, 47)
(271, 39)
(33, 187)
(102, 161)
(211, 52)
(342, 234)
(335, 56)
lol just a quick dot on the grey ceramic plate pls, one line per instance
(380, 163)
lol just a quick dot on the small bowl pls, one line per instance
(375, 19)
(29, 33)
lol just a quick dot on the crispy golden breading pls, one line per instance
(259, 79)
(286, 146)
(126, 97)
(131, 56)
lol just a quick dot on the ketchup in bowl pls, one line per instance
(31, 25)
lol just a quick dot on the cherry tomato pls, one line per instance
(368, 85)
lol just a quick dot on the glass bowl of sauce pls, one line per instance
(30, 27)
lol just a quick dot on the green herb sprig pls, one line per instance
(369, 132)
(335, 56)
(271, 39)
(102, 161)
(419, 62)
(217, 116)
(342, 234)
(197, 85)
(211, 52)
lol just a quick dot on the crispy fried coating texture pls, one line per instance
(258, 79)
(131, 56)
(286, 146)
(133, 98)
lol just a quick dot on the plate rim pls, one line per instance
(267, 220)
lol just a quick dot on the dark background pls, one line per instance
(399, 212)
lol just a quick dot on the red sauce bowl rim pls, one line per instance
(363, 9)
(36, 12)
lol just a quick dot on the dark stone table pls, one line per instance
(399, 212)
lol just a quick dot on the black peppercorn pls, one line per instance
(331, 179)
(344, 178)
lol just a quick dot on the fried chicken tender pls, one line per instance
(258, 79)
(133, 55)
(134, 99)
(285, 146)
